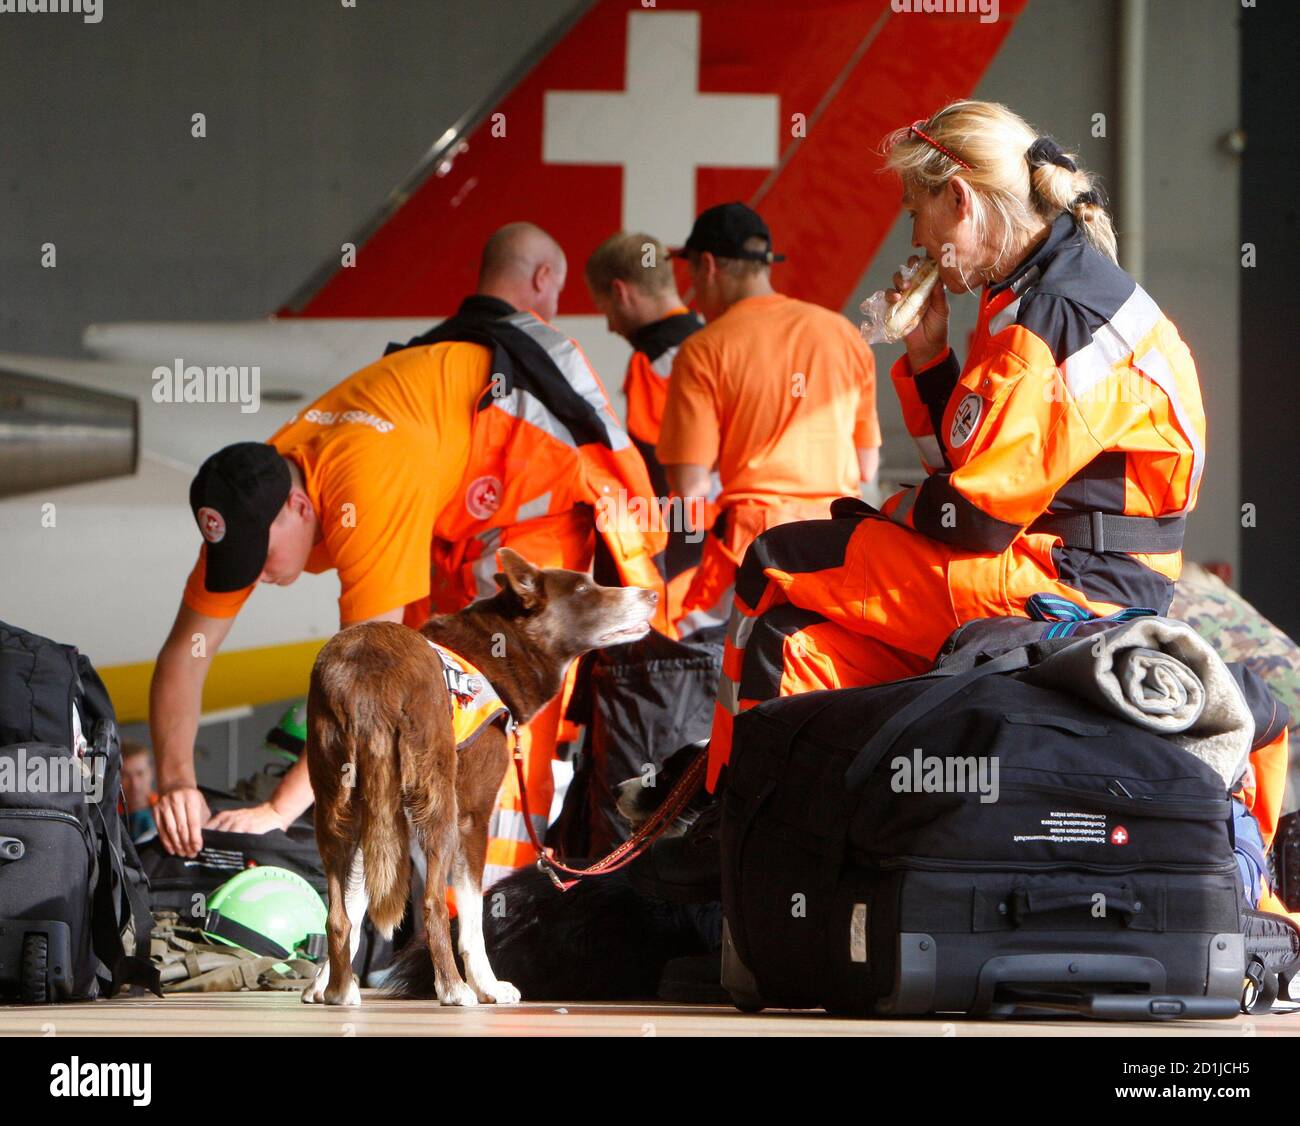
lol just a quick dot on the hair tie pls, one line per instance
(916, 128)
(1093, 197)
(1045, 150)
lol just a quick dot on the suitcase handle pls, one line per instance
(1040, 901)
(1044, 970)
(1119, 1006)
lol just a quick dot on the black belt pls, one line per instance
(1107, 531)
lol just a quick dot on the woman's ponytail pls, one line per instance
(1061, 185)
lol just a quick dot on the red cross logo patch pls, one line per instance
(1119, 835)
(211, 524)
(964, 420)
(483, 497)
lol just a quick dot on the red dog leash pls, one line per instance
(678, 798)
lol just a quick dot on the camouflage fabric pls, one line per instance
(1239, 633)
(189, 963)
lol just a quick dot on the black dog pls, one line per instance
(598, 941)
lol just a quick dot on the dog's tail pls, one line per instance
(384, 833)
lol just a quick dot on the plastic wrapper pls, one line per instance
(884, 323)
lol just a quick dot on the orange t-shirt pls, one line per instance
(780, 394)
(381, 454)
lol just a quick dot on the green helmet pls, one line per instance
(287, 738)
(268, 910)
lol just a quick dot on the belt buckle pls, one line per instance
(1097, 525)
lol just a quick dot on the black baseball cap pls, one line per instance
(724, 230)
(236, 496)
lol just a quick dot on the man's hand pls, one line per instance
(180, 815)
(256, 819)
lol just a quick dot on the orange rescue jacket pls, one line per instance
(1076, 424)
(545, 444)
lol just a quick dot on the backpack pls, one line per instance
(74, 916)
(179, 889)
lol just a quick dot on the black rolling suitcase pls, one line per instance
(1101, 881)
(73, 907)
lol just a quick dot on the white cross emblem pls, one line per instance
(661, 128)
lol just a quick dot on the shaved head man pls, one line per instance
(524, 266)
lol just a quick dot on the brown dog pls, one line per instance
(383, 760)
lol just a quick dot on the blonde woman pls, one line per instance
(1061, 458)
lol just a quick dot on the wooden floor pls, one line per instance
(280, 1014)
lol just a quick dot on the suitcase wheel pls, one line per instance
(736, 977)
(35, 986)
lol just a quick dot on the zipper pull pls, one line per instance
(1118, 788)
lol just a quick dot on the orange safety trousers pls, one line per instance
(1263, 793)
(858, 600)
(707, 598)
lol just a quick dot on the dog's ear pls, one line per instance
(520, 576)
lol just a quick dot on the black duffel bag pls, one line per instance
(74, 917)
(183, 884)
(639, 703)
(865, 871)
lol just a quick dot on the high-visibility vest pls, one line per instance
(645, 386)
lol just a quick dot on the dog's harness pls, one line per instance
(475, 705)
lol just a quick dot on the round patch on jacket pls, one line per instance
(483, 497)
(212, 524)
(964, 421)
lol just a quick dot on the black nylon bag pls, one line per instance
(48, 864)
(640, 703)
(1108, 850)
(183, 884)
(68, 930)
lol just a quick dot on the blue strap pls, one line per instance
(1065, 615)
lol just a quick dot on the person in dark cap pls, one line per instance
(402, 480)
(352, 484)
(779, 394)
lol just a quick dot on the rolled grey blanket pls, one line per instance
(1160, 674)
